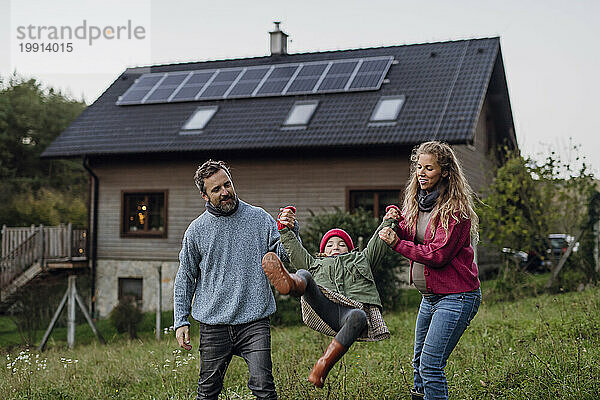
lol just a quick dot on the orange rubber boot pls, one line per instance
(334, 352)
(280, 278)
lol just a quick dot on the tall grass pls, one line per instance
(535, 348)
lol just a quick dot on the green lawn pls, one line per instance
(536, 348)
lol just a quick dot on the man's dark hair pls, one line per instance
(208, 169)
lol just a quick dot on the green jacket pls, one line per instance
(347, 274)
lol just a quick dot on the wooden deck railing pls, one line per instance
(23, 247)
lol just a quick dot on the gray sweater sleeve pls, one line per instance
(186, 279)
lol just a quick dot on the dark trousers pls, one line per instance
(348, 322)
(251, 341)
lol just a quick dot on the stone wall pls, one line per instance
(107, 283)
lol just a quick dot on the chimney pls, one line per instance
(278, 40)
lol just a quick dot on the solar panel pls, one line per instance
(312, 70)
(165, 88)
(303, 85)
(193, 85)
(326, 76)
(248, 82)
(273, 86)
(140, 88)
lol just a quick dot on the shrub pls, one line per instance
(126, 316)
(289, 312)
(359, 224)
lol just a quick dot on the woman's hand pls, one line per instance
(392, 212)
(389, 236)
(287, 217)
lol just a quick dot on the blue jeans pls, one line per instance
(251, 341)
(441, 321)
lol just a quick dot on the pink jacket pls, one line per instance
(448, 257)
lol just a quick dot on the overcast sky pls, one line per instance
(550, 47)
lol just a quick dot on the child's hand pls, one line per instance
(392, 212)
(286, 218)
(389, 236)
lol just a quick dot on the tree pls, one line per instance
(528, 200)
(30, 119)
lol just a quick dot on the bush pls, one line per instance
(126, 316)
(359, 224)
(289, 312)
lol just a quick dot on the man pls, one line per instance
(220, 268)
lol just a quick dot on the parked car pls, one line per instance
(559, 242)
(532, 262)
(520, 256)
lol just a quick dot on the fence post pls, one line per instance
(71, 306)
(68, 244)
(597, 245)
(41, 244)
(4, 247)
(159, 303)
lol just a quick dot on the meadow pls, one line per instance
(544, 347)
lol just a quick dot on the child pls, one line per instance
(339, 297)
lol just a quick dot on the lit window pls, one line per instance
(388, 108)
(144, 214)
(301, 113)
(201, 117)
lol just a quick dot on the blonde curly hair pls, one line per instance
(456, 196)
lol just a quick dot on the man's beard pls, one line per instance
(226, 205)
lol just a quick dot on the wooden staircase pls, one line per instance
(29, 253)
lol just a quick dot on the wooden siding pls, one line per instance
(474, 157)
(316, 184)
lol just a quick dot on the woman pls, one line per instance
(339, 297)
(434, 232)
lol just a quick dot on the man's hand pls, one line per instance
(183, 337)
(389, 236)
(286, 218)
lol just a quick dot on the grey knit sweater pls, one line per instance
(220, 268)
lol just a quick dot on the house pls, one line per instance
(317, 130)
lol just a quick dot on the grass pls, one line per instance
(545, 347)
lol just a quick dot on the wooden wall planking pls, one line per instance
(316, 184)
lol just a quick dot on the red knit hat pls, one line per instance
(336, 232)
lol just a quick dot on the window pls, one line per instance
(144, 214)
(374, 200)
(199, 119)
(130, 287)
(387, 109)
(301, 113)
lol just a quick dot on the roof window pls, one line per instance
(387, 108)
(199, 119)
(301, 113)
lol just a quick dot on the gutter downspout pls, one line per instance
(93, 223)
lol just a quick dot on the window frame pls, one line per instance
(125, 233)
(374, 190)
(301, 103)
(120, 287)
(189, 131)
(378, 105)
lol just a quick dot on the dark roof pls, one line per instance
(444, 84)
